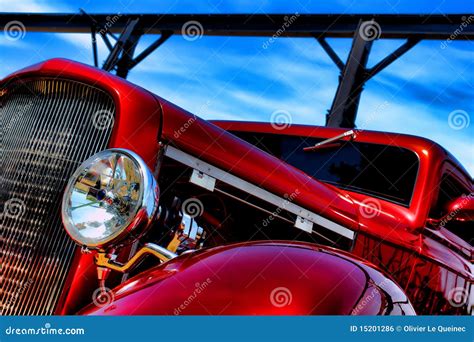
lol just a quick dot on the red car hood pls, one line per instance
(226, 151)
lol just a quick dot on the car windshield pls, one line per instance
(383, 171)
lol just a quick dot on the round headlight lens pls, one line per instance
(112, 197)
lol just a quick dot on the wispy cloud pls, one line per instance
(34, 6)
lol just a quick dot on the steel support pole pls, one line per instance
(351, 82)
(121, 55)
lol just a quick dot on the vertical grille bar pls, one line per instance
(47, 128)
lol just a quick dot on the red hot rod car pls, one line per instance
(117, 202)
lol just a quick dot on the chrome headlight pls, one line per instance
(110, 199)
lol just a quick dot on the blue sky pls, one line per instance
(235, 78)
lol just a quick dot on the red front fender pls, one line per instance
(258, 278)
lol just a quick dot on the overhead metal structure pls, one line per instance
(362, 28)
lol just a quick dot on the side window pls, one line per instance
(449, 189)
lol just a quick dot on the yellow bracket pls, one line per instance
(102, 260)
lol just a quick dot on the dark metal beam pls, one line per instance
(304, 25)
(94, 46)
(164, 37)
(331, 53)
(411, 42)
(121, 57)
(344, 107)
(125, 61)
(122, 53)
(96, 27)
(106, 40)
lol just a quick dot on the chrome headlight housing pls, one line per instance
(110, 200)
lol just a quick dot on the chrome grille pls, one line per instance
(47, 128)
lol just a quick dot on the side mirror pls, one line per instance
(459, 218)
(460, 210)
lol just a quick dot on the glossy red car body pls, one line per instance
(259, 278)
(427, 264)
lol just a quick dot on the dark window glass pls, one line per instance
(383, 171)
